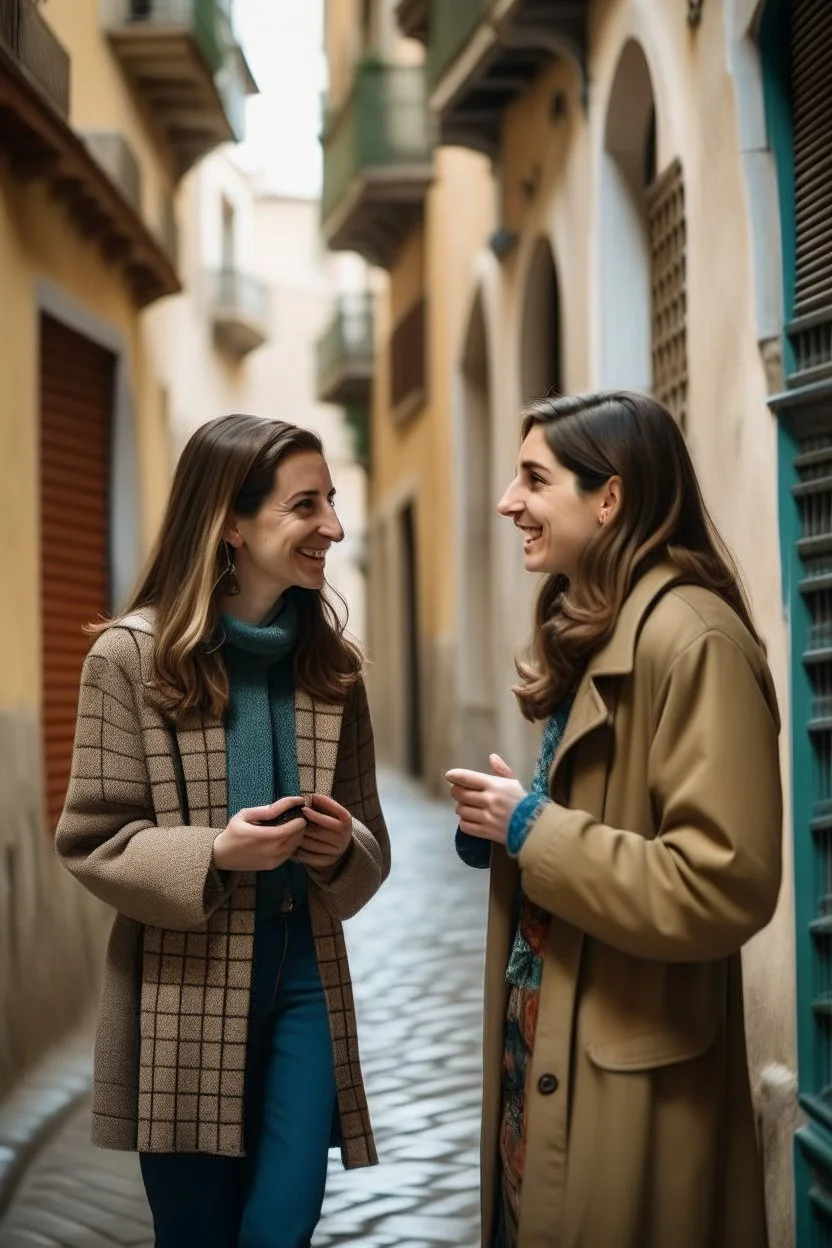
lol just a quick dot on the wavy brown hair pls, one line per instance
(228, 466)
(661, 515)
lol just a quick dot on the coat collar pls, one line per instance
(318, 726)
(616, 657)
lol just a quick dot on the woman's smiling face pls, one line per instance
(286, 542)
(556, 517)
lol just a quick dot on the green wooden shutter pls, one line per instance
(796, 41)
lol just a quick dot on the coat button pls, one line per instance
(547, 1084)
(287, 905)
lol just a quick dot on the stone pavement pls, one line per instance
(416, 954)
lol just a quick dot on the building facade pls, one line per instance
(104, 107)
(418, 214)
(260, 291)
(615, 193)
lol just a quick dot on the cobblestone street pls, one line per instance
(416, 954)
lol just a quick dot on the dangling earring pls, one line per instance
(230, 579)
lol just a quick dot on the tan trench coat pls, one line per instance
(143, 807)
(658, 859)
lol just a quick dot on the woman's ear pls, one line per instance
(611, 500)
(232, 534)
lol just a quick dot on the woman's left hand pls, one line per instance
(484, 803)
(328, 835)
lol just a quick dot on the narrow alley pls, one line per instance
(416, 953)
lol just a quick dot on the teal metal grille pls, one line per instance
(796, 41)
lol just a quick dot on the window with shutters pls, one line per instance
(76, 395)
(668, 295)
(796, 42)
(408, 362)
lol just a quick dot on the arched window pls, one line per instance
(540, 348)
(643, 246)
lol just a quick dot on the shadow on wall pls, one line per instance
(52, 932)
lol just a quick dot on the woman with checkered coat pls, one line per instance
(223, 801)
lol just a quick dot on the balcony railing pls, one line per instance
(377, 161)
(482, 54)
(40, 57)
(451, 26)
(239, 307)
(183, 60)
(205, 20)
(115, 156)
(346, 353)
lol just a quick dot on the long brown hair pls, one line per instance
(662, 515)
(228, 466)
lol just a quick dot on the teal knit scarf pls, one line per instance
(260, 732)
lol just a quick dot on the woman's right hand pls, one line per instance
(247, 845)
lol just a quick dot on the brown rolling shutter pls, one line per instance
(811, 58)
(76, 381)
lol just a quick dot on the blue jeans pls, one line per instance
(272, 1197)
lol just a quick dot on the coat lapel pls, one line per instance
(318, 727)
(616, 657)
(589, 711)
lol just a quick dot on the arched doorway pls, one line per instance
(540, 352)
(476, 563)
(628, 168)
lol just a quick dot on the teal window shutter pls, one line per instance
(796, 42)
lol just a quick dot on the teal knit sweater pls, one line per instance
(260, 732)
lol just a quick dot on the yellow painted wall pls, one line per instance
(38, 242)
(101, 99)
(51, 926)
(435, 261)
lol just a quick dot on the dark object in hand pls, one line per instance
(294, 812)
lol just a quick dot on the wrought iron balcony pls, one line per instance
(94, 176)
(346, 353)
(115, 156)
(182, 59)
(239, 307)
(451, 27)
(377, 162)
(28, 47)
(483, 53)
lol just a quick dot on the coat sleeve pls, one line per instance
(366, 864)
(710, 878)
(107, 836)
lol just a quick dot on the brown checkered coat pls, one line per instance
(143, 807)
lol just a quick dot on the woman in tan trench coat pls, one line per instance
(617, 1110)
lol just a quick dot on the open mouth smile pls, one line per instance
(531, 535)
